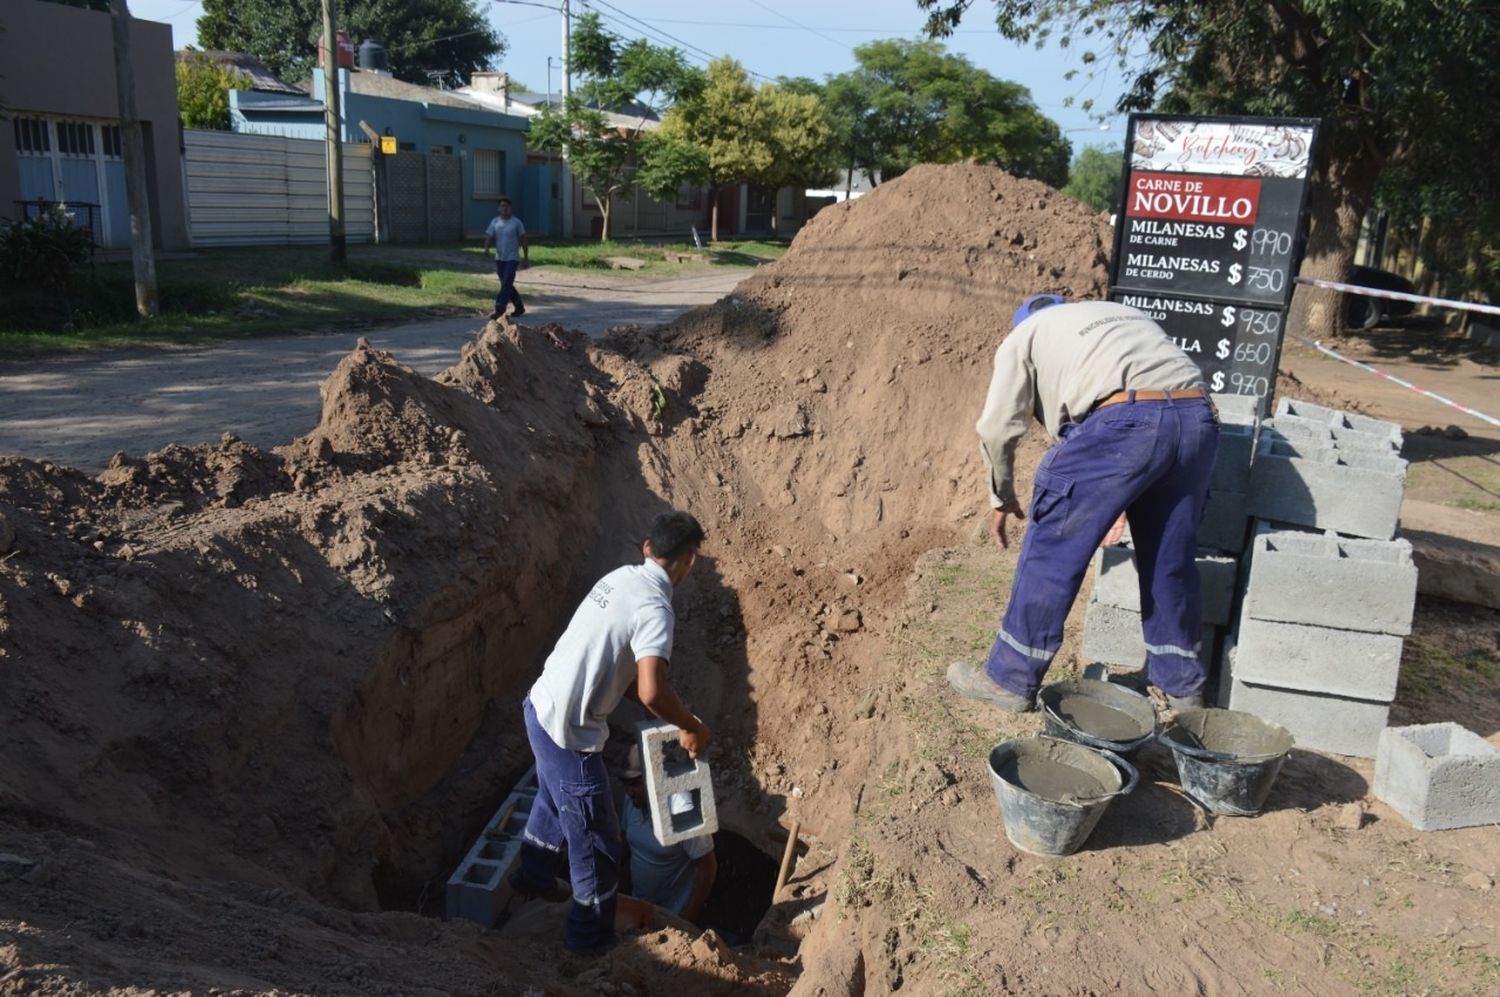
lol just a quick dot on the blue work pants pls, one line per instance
(1151, 460)
(506, 271)
(573, 808)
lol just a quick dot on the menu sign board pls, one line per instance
(1209, 236)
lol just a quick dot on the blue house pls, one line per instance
(490, 145)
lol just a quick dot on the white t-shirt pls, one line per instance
(507, 234)
(662, 874)
(625, 617)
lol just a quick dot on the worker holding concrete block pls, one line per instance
(618, 643)
(1136, 434)
(677, 877)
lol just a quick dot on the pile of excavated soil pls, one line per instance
(256, 703)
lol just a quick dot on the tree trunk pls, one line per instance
(1342, 191)
(604, 206)
(713, 215)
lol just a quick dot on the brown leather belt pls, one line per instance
(1120, 397)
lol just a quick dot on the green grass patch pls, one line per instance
(227, 294)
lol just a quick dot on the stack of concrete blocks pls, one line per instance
(480, 886)
(1328, 593)
(1112, 622)
(1438, 776)
(665, 779)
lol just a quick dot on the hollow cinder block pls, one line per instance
(1321, 660)
(1239, 410)
(1226, 521)
(1326, 489)
(1232, 459)
(476, 891)
(1113, 635)
(1349, 430)
(1335, 724)
(664, 779)
(1116, 582)
(1323, 580)
(1438, 776)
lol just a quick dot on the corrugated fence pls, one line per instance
(246, 190)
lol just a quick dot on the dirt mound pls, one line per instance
(257, 703)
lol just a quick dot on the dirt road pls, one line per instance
(81, 408)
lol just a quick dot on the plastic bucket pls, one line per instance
(1052, 792)
(1227, 760)
(1099, 714)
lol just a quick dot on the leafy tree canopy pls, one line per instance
(911, 102)
(421, 37)
(1095, 177)
(203, 91)
(1410, 87)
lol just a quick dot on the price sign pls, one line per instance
(1210, 226)
(1235, 346)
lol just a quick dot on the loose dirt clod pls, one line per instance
(244, 743)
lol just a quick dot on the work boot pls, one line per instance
(518, 311)
(971, 682)
(1180, 703)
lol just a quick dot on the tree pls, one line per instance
(450, 39)
(618, 77)
(1397, 85)
(1095, 177)
(911, 102)
(203, 91)
(764, 136)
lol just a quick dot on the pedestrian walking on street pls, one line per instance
(512, 253)
(1136, 434)
(617, 644)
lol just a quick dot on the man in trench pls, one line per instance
(1136, 434)
(617, 644)
(676, 877)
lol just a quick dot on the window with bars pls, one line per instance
(489, 169)
(33, 137)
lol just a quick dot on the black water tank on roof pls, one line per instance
(372, 56)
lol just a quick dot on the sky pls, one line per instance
(771, 38)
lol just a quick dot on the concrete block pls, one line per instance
(1116, 583)
(665, 777)
(1226, 521)
(1113, 635)
(1438, 776)
(1232, 462)
(1318, 659)
(1353, 493)
(1350, 430)
(1324, 723)
(1239, 410)
(1324, 580)
(476, 892)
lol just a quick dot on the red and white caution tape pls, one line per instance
(1421, 299)
(1394, 379)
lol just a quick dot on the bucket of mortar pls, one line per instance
(1098, 714)
(1052, 792)
(1227, 759)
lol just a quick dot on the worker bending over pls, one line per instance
(617, 644)
(1136, 433)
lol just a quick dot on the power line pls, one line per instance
(659, 34)
(798, 24)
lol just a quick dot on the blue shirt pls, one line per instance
(507, 234)
(661, 874)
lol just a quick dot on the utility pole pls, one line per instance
(332, 119)
(567, 91)
(134, 149)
